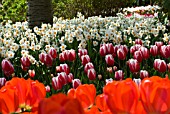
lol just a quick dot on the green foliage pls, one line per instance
(14, 10)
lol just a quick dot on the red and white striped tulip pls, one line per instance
(91, 74)
(134, 65)
(71, 55)
(56, 83)
(64, 68)
(109, 60)
(138, 41)
(138, 56)
(119, 75)
(85, 59)
(121, 54)
(53, 52)
(7, 67)
(125, 48)
(143, 74)
(154, 50)
(160, 65)
(25, 63)
(2, 82)
(41, 57)
(103, 51)
(76, 83)
(88, 66)
(159, 44)
(63, 77)
(145, 52)
(165, 51)
(82, 52)
(31, 73)
(109, 48)
(47, 88)
(70, 77)
(48, 60)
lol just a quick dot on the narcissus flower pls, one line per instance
(60, 104)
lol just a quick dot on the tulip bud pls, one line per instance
(64, 68)
(119, 75)
(82, 52)
(85, 59)
(56, 83)
(41, 57)
(109, 60)
(2, 82)
(7, 67)
(47, 88)
(76, 83)
(100, 76)
(87, 67)
(160, 65)
(145, 52)
(138, 56)
(138, 41)
(154, 50)
(48, 60)
(71, 55)
(134, 65)
(31, 73)
(144, 74)
(69, 77)
(121, 54)
(91, 74)
(53, 53)
(103, 51)
(25, 62)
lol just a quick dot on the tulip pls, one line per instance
(109, 60)
(154, 50)
(58, 69)
(109, 48)
(41, 57)
(56, 83)
(48, 60)
(71, 55)
(122, 96)
(165, 51)
(85, 59)
(134, 65)
(109, 81)
(137, 81)
(145, 52)
(2, 82)
(47, 88)
(7, 67)
(63, 78)
(53, 53)
(138, 56)
(60, 104)
(64, 68)
(116, 47)
(144, 74)
(155, 95)
(25, 62)
(159, 44)
(121, 54)
(82, 52)
(119, 75)
(91, 74)
(31, 73)
(87, 67)
(69, 77)
(76, 83)
(138, 41)
(124, 48)
(160, 65)
(103, 51)
(134, 48)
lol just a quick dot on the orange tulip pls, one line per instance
(122, 96)
(155, 95)
(85, 94)
(60, 104)
(22, 94)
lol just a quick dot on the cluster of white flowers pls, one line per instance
(18, 37)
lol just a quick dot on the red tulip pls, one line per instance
(64, 68)
(103, 51)
(69, 77)
(88, 66)
(2, 82)
(119, 75)
(7, 67)
(53, 53)
(76, 83)
(31, 73)
(138, 41)
(138, 56)
(48, 60)
(154, 50)
(71, 55)
(91, 73)
(134, 65)
(109, 60)
(85, 59)
(25, 62)
(82, 52)
(121, 54)
(144, 74)
(160, 65)
(145, 52)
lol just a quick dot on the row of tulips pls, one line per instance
(148, 96)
